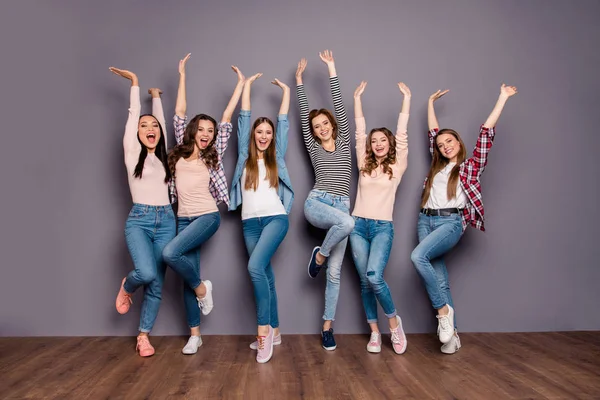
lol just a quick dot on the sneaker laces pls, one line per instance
(126, 299)
(327, 335)
(444, 322)
(374, 338)
(143, 341)
(396, 338)
(261, 342)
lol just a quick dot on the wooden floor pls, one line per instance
(489, 366)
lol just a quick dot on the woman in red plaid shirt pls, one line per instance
(451, 200)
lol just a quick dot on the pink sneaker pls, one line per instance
(374, 345)
(265, 347)
(276, 342)
(399, 342)
(123, 299)
(143, 346)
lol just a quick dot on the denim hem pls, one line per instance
(372, 321)
(142, 330)
(392, 315)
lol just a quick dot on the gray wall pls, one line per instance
(65, 197)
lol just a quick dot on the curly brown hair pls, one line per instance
(208, 155)
(371, 162)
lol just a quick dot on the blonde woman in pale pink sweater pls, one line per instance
(382, 160)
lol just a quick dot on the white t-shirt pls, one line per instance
(264, 201)
(438, 196)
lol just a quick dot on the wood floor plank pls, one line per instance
(555, 365)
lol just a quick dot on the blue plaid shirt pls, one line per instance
(218, 182)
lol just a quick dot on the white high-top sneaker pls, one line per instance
(445, 329)
(453, 345)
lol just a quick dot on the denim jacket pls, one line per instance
(285, 191)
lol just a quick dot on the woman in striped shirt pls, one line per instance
(327, 140)
(451, 201)
(151, 222)
(197, 167)
(382, 160)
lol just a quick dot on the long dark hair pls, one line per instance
(371, 162)
(208, 155)
(438, 162)
(160, 151)
(269, 155)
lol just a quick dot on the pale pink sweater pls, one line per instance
(151, 189)
(376, 194)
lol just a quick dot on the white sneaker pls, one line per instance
(445, 328)
(374, 345)
(192, 345)
(206, 303)
(276, 342)
(453, 345)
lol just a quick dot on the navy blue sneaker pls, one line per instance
(313, 267)
(328, 340)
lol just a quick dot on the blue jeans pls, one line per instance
(263, 235)
(183, 255)
(331, 212)
(371, 242)
(437, 235)
(147, 231)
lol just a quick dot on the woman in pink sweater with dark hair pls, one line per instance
(382, 160)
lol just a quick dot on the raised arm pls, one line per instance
(130, 140)
(246, 94)
(180, 119)
(158, 112)
(361, 126)
(336, 94)
(244, 117)
(505, 93)
(432, 119)
(309, 140)
(283, 126)
(235, 97)
(488, 131)
(401, 129)
(181, 104)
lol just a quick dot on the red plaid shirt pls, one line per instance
(470, 173)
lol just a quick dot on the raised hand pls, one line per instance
(404, 89)
(183, 62)
(155, 92)
(125, 74)
(300, 71)
(360, 89)
(327, 57)
(241, 77)
(253, 78)
(508, 91)
(437, 95)
(282, 85)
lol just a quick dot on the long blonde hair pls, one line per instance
(438, 163)
(270, 159)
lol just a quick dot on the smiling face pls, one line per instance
(263, 136)
(448, 145)
(322, 127)
(205, 134)
(380, 144)
(149, 132)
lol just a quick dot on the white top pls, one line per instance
(264, 201)
(438, 196)
(151, 189)
(192, 180)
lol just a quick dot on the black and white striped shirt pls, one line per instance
(333, 169)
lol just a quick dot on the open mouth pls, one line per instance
(151, 137)
(447, 152)
(263, 143)
(203, 142)
(324, 133)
